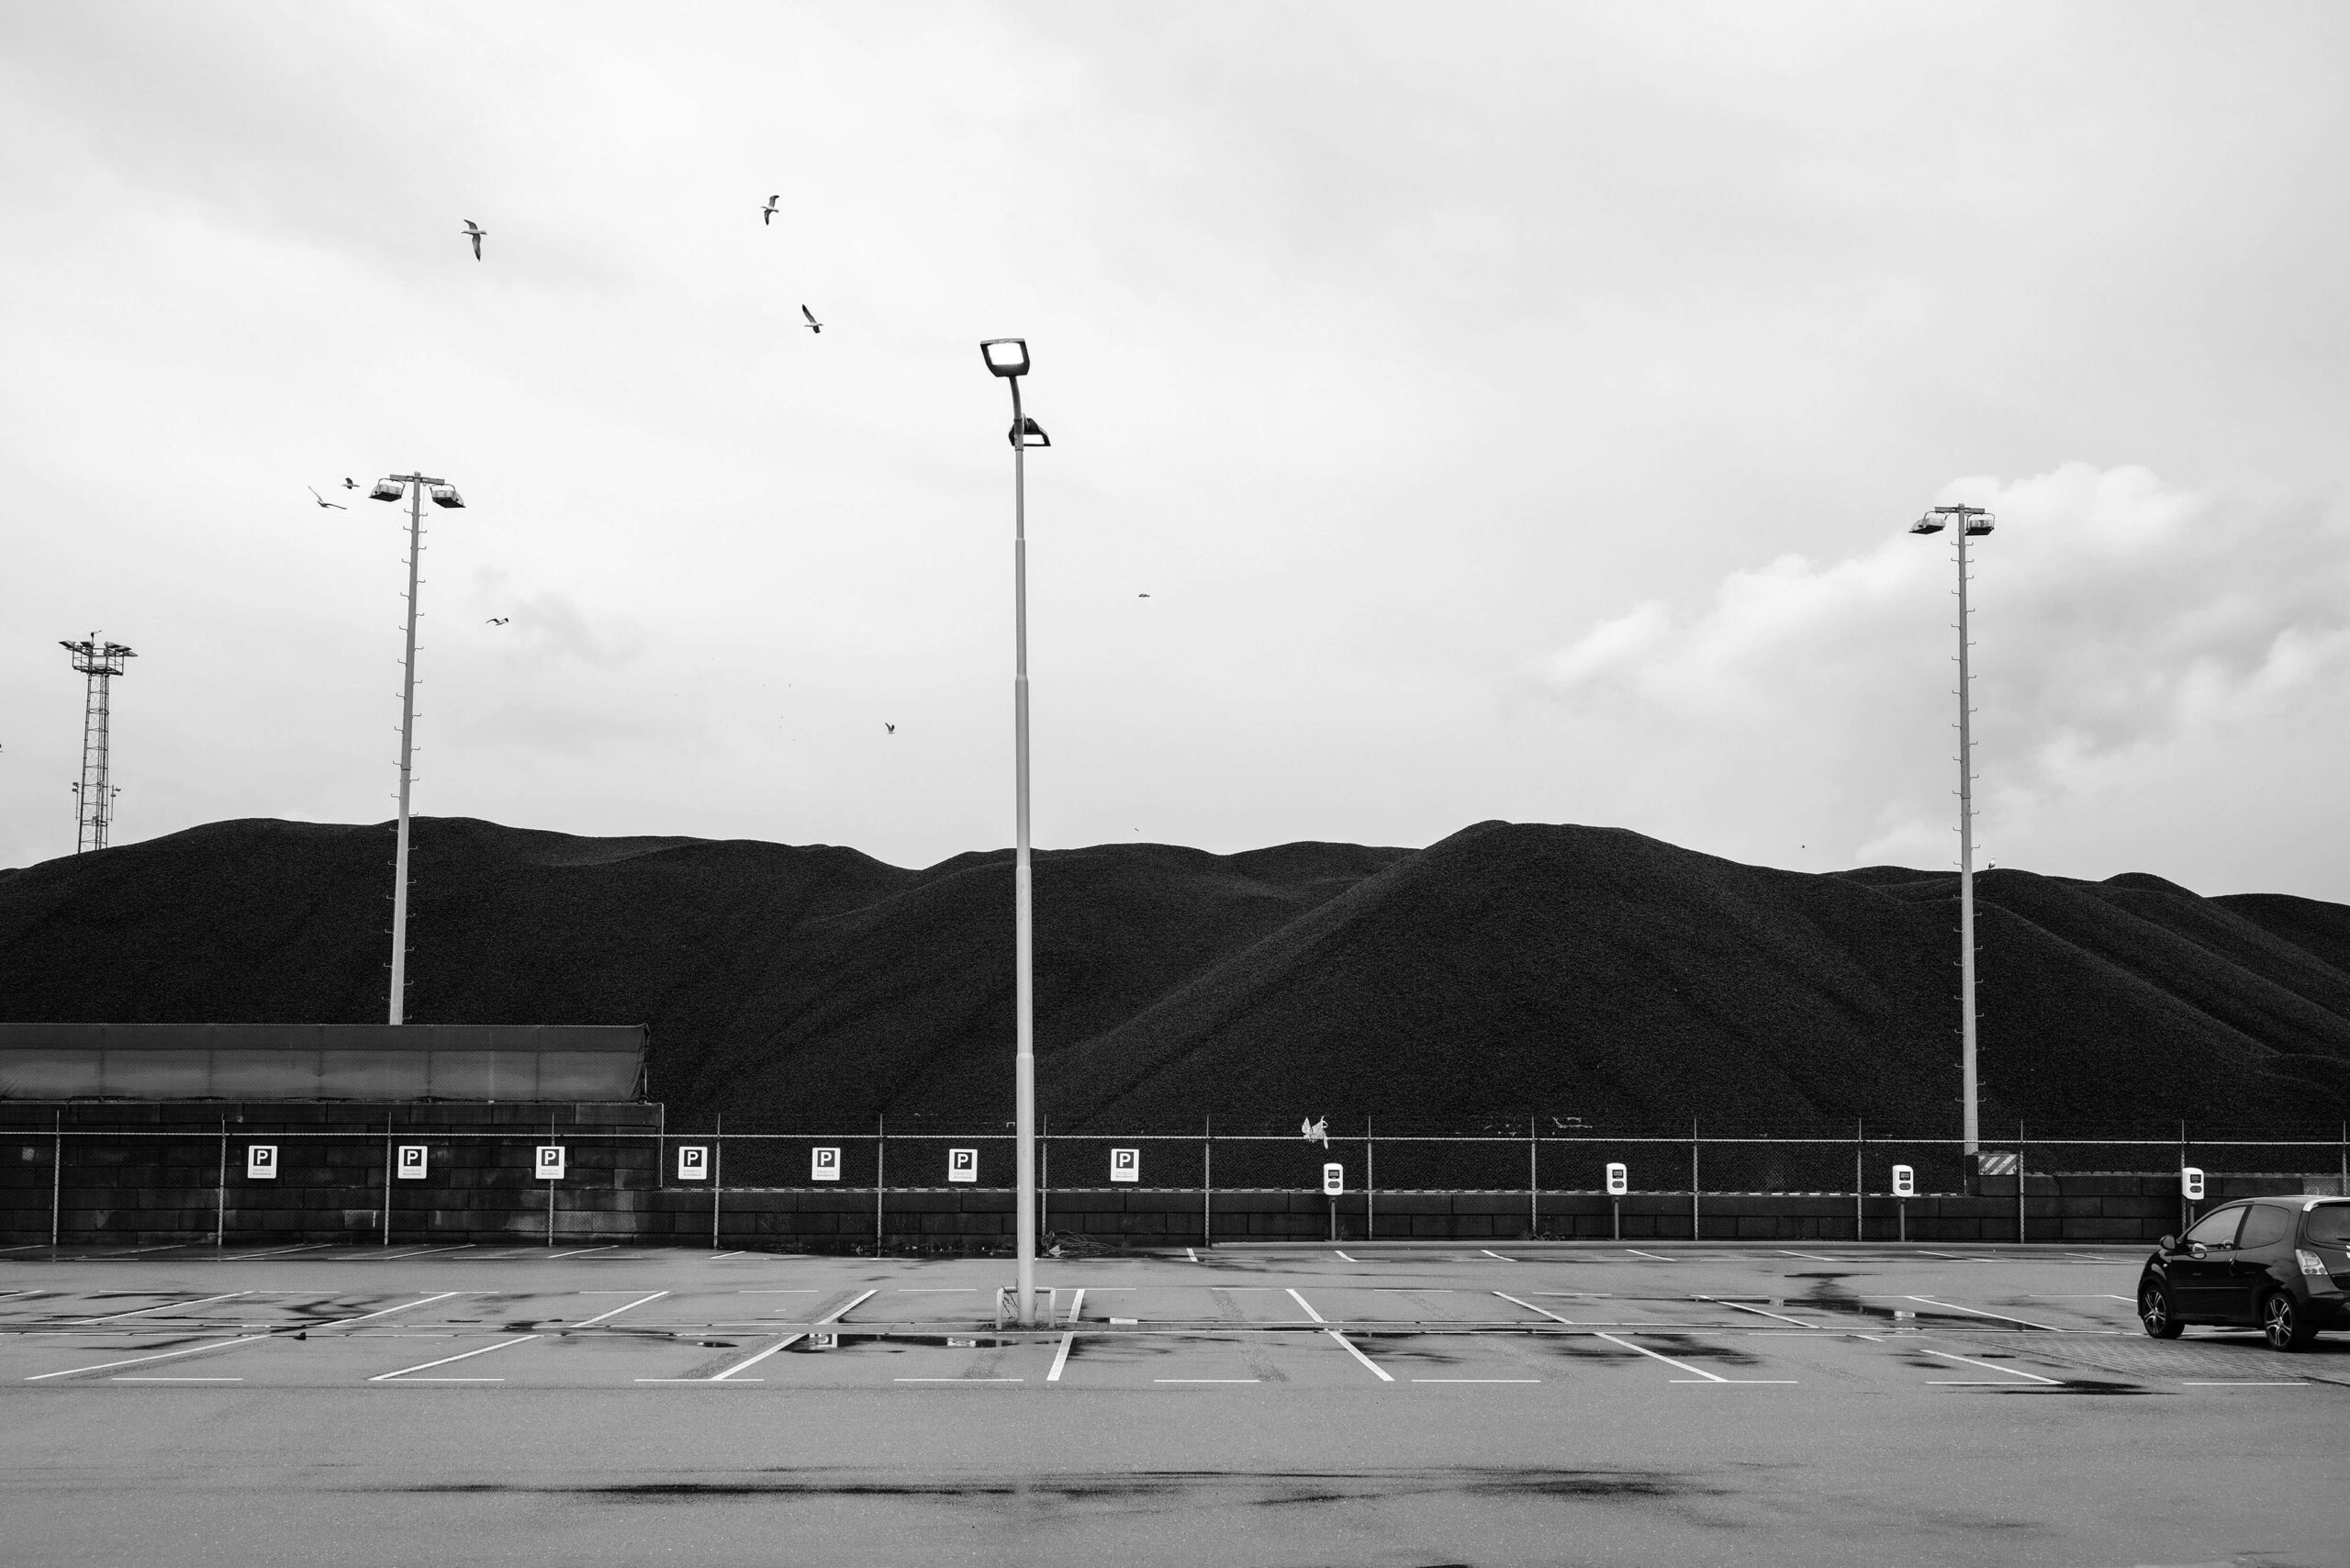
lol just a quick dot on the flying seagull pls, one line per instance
(497, 621)
(1142, 596)
(813, 325)
(889, 726)
(767, 213)
(474, 233)
(322, 500)
(349, 483)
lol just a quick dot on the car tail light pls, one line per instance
(2310, 1262)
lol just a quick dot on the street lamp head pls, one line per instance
(1028, 432)
(1928, 524)
(1006, 356)
(1980, 522)
(387, 490)
(446, 496)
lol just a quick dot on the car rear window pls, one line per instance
(2264, 1225)
(2216, 1229)
(2330, 1223)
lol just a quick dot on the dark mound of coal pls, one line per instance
(1509, 970)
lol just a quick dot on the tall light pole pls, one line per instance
(414, 486)
(94, 796)
(1008, 357)
(1972, 522)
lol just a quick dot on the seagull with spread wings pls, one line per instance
(767, 213)
(322, 500)
(813, 325)
(475, 233)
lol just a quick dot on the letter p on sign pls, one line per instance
(550, 1167)
(412, 1160)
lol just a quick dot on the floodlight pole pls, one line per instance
(415, 484)
(1968, 521)
(1023, 894)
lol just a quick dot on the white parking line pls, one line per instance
(1987, 1366)
(24, 1247)
(1532, 1307)
(1995, 1317)
(2244, 1385)
(1953, 1257)
(615, 1312)
(387, 1312)
(809, 1290)
(1495, 1256)
(1205, 1379)
(938, 1290)
(720, 1258)
(167, 1306)
(1653, 1256)
(1376, 1370)
(1815, 1256)
(1060, 1357)
(1701, 1372)
(959, 1380)
(1076, 1303)
(1192, 1253)
(1741, 1306)
(1307, 1305)
(175, 1380)
(1340, 1254)
(139, 1361)
(1476, 1380)
(460, 1356)
(582, 1252)
(419, 1252)
(783, 1344)
(277, 1251)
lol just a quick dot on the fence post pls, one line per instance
(881, 1155)
(1369, 1186)
(2020, 1237)
(1044, 1177)
(2185, 1209)
(1860, 1181)
(717, 1174)
(1533, 1177)
(388, 1178)
(1693, 1179)
(1207, 1180)
(220, 1192)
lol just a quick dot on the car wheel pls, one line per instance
(2284, 1323)
(2153, 1310)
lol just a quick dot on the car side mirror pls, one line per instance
(2194, 1249)
(2168, 1244)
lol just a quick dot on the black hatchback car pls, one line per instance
(2281, 1264)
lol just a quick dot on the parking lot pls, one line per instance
(1388, 1405)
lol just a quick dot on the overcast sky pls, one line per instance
(1509, 412)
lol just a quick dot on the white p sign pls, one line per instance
(261, 1162)
(549, 1162)
(1126, 1165)
(962, 1165)
(1334, 1180)
(1619, 1181)
(693, 1162)
(1905, 1181)
(2190, 1183)
(410, 1165)
(824, 1165)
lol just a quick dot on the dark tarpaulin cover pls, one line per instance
(322, 1061)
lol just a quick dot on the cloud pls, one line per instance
(2112, 615)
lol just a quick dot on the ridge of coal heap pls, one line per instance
(1509, 969)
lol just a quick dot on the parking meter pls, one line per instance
(1905, 1181)
(2190, 1183)
(1618, 1180)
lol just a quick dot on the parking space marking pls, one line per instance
(1741, 1306)
(1987, 1366)
(1532, 1307)
(1206, 1380)
(721, 1257)
(1340, 1254)
(1060, 1357)
(1996, 1317)
(1495, 1256)
(24, 1247)
(419, 1252)
(1702, 1372)
(1651, 1257)
(1376, 1370)
(1953, 1257)
(142, 1360)
(783, 1344)
(582, 1252)
(615, 1312)
(804, 1289)
(387, 1312)
(959, 1380)
(1307, 1305)
(1815, 1256)
(2233, 1384)
(938, 1290)
(1076, 1304)
(175, 1380)
(167, 1306)
(460, 1356)
(1476, 1380)
(276, 1251)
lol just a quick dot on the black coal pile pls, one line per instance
(1510, 970)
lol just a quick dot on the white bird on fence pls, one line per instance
(1316, 1132)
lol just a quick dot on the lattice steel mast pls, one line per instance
(93, 795)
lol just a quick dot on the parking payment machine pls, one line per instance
(1619, 1182)
(1905, 1187)
(1334, 1186)
(2191, 1192)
